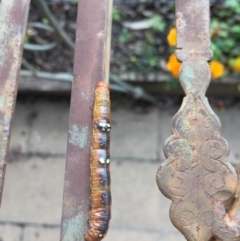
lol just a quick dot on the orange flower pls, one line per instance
(217, 69)
(173, 65)
(235, 64)
(172, 37)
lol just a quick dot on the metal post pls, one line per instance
(13, 21)
(197, 176)
(91, 64)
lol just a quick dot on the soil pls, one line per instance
(141, 51)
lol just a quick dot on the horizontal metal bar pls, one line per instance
(126, 2)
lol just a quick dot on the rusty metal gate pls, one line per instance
(196, 176)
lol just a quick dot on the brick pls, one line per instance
(124, 235)
(20, 131)
(33, 191)
(134, 135)
(50, 128)
(41, 234)
(10, 233)
(136, 201)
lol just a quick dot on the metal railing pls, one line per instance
(202, 185)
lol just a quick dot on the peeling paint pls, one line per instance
(74, 228)
(78, 135)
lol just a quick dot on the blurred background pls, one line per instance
(145, 95)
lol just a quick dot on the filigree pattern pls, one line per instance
(196, 175)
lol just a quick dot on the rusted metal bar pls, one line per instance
(13, 21)
(90, 66)
(197, 176)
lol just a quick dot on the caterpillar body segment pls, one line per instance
(100, 212)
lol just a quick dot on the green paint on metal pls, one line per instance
(78, 135)
(2, 102)
(188, 74)
(73, 228)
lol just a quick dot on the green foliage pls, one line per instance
(145, 50)
(125, 36)
(159, 24)
(225, 31)
(172, 84)
(116, 15)
(233, 5)
(45, 21)
(26, 39)
(153, 61)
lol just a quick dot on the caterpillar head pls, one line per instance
(93, 234)
(101, 235)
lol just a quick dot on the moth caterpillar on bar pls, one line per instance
(100, 212)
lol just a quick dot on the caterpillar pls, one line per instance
(100, 212)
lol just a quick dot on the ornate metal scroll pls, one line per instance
(196, 175)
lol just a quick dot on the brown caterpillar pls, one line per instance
(100, 212)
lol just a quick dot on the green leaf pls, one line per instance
(172, 84)
(159, 24)
(116, 15)
(153, 61)
(223, 33)
(223, 13)
(26, 39)
(231, 3)
(228, 45)
(216, 51)
(45, 21)
(125, 36)
(235, 29)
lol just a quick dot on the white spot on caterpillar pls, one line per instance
(101, 160)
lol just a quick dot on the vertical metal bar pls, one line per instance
(13, 20)
(193, 29)
(90, 66)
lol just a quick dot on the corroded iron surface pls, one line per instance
(13, 20)
(91, 62)
(196, 175)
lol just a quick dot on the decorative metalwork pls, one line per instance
(196, 175)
